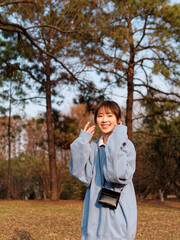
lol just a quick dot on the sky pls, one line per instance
(119, 95)
(32, 110)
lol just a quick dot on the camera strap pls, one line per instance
(107, 197)
(102, 184)
(100, 167)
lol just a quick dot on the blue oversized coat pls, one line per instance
(118, 166)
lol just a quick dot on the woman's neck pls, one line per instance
(105, 137)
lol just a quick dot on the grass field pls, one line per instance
(46, 220)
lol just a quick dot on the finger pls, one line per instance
(86, 126)
(91, 129)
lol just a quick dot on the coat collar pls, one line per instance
(101, 143)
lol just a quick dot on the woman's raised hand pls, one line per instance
(89, 129)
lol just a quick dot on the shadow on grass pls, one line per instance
(175, 205)
(22, 235)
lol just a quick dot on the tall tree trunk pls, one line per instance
(130, 78)
(129, 107)
(50, 133)
(9, 147)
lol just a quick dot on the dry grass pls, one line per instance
(158, 221)
(46, 220)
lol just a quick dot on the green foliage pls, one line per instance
(158, 154)
(31, 180)
(131, 42)
(158, 112)
(73, 190)
(89, 96)
(65, 130)
(28, 173)
(166, 157)
(3, 179)
(12, 81)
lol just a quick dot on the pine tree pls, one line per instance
(135, 44)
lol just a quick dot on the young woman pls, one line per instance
(117, 161)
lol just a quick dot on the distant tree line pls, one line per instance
(46, 45)
(158, 164)
(30, 178)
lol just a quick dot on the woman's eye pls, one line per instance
(110, 115)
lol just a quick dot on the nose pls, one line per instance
(104, 118)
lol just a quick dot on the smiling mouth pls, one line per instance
(105, 126)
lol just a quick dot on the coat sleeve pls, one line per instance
(80, 164)
(120, 157)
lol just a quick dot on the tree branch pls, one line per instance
(144, 33)
(109, 71)
(57, 28)
(50, 26)
(19, 29)
(26, 99)
(156, 90)
(157, 100)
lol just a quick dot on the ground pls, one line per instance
(60, 220)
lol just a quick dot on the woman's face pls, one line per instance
(106, 120)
